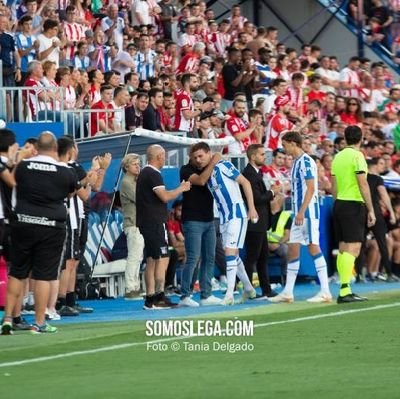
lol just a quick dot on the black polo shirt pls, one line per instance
(151, 119)
(198, 201)
(43, 184)
(149, 208)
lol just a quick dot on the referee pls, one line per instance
(352, 208)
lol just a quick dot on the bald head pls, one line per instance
(153, 152)
(47, 142)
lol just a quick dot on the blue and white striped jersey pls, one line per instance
(23, 42)
(226, 192)
(145, 64)
(304, 168)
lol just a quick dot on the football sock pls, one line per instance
(322, 272)
(345, 266)
(70, 299)
(292, 271)
(231, 270)
(241, 273)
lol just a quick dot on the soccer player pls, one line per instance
(305, 229)
(352, 210)
(224, 184)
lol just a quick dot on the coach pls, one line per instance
(256, 242)
(38, 228)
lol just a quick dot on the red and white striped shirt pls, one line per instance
(32, 96)
(347, 75)
(183, 103)
(74, 33)
(296, 99)
(277, 125)
(234, 126)
(187, 40)
(189, 64)
(221, 41)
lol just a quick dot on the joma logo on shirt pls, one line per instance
(42, 166)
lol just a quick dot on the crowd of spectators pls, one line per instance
(171, 66)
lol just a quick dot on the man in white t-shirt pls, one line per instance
(50, 44)
(121, 99)
(349, 79)
(113, 25)
(123, 63)
(330, 78)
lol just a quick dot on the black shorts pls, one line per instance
(37, 249)
(155, 240)
(349, 221)
(83, 236)
(72, 248)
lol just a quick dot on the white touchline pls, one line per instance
(132, 344)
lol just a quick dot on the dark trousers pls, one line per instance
(379, 231)
(171, 270)
(256, 245)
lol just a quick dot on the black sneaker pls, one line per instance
(28, 309)
(172, 290)
(81, 309)
(23, 325)
(148, 302)
(6, 327)
(67, 311)
(350, 298)
(359, 298)
(162, 298)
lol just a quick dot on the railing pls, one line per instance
(1, 73)
(84, 123)
(339, 12)
(27, 104)
(34, 104)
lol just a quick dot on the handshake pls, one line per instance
(185, 186)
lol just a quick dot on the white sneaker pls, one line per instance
(321, 297)
(215, 284)
(282, 297)
(54, 316)
(211, 300)
(189, 302)
(228, 301)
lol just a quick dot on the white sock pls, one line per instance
(244, 278)
(292, 271)
(322, 272)
(231, 270)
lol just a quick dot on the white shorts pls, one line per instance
(234, 233)
(306, 234)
